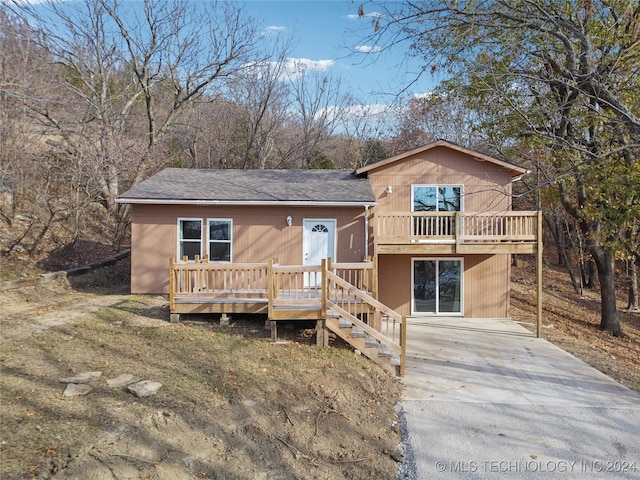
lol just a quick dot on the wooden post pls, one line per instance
(270, 291)
(374, 277)
(197, 285)
(403, 344)
(326, 265)
(322, 335)
(457, 230)
(172, 286)
(539, 277)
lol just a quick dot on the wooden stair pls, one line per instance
(366, 344)
(339, 306)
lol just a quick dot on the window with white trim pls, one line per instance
(189, 238)
(436, 198)
(437, 286)
(219, 239)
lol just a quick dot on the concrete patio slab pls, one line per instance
(485, 398)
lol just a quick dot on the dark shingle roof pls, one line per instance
(304, 186)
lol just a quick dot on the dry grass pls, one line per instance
(572, 322)
(232, 405)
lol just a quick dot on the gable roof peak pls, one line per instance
(515, 170)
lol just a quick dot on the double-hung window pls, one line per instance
(435, 198)
(192, 239)
(189, 238)
(219, 239)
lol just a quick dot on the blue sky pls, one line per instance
(330, 35)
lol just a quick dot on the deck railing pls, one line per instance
(455, 227)
(281, 284)
(204, 279)
(298, 288)
(307, 291)
(375, 319)
(361, 275)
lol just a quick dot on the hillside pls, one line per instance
(572, 322)
(232, 403)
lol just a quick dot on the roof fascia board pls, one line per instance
(288, 203)
(518, 171)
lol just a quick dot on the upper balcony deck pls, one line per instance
(457, 232)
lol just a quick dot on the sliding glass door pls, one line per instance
(437, 286)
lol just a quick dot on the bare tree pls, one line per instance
(260, 95)
(557, 75)
(318, 105)
(42, 195)
(131, 64)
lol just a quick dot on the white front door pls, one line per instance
(318, 242)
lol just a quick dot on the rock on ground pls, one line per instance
(144, 388)
(122, 380)
(77, 390)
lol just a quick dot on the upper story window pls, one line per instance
(219, 245)
(189, 238)
(436, 198)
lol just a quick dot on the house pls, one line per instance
(427, 232)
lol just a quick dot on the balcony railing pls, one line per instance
(456, 227)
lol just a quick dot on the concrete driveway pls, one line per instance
(487, 399)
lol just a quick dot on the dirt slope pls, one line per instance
(233, 405)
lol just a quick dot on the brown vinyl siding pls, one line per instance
(394, 282)
(486, 187)
(259, 233)
(485, 283)
(486, 286)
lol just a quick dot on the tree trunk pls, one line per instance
(565, 260)
(632, 270)
(588, 272)
(609, 318)
(562, 238)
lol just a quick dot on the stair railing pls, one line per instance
(388, 327)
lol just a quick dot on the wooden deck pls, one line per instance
(457, 232)
(340, 297)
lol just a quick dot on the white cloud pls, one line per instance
(293, 67)
(367, 49)
(275, 28)
(369, 110)
(296, 67)
(310, 64)
(377, 117)
(355, 16)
